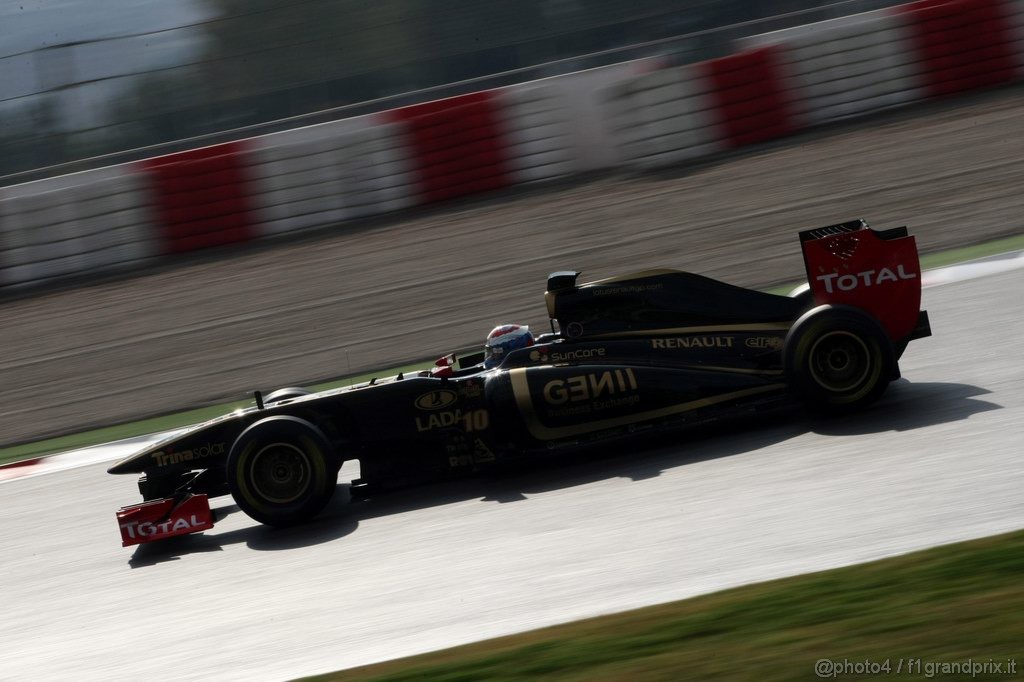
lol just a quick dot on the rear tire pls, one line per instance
(282, 471)
(838, 359)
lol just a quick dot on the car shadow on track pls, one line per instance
(905, 407)
(910, 405)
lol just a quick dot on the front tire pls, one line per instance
(838, 359)
(282, 471)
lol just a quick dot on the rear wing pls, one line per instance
(877, 271)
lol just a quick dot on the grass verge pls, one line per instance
(163, 423)
(180, 419)
(943, 605)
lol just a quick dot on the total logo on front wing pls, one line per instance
(135, 530)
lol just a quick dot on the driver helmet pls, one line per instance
(503, 340)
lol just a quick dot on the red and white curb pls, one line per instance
(112, 451)
(73, 459)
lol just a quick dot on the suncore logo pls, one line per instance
(548, 355)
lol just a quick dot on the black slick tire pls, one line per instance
(282, 471)
(838, 359)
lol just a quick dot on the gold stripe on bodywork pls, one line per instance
(736, 370)
(761, 327)
(632, 275)
(521, 390)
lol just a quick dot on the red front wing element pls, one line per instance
(159, 519)
(878, 272)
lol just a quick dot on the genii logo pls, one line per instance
(436, 400)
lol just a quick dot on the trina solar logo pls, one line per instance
(547, 355)
(868, 278)
(209, 450)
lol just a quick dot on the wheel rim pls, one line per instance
(281, 473)
(840, 362)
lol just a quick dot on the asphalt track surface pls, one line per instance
(427, 282)
(937, 461)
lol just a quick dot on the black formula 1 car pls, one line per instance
(648, 351)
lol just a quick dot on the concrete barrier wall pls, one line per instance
(633, 115)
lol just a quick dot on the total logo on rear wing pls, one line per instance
(876, 271)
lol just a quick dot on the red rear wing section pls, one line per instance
(876, 271)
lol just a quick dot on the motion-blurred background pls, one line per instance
(81, 79)
(203, 198)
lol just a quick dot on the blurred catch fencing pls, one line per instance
(639, 114)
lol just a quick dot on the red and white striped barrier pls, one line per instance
(536, 135)
(200, 197)
(684, 113)
(458, 145)
(623, 115)
(483, 141)
(751, 104)
(92, 222)
(662, 118)
(580, 100)
(846, 67)
(296, 184)
(808, 75)
(380, 171)
(326, 174)
(961, 45)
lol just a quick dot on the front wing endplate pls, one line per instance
(160, 519)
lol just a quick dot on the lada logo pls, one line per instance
(867, 278)
(436, 400)
(474, 420)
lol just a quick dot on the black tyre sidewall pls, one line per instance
(820, 323)
(298, 435)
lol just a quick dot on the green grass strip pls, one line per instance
(943, 605)
(165, 423)
(180, 419)
(930, 261)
